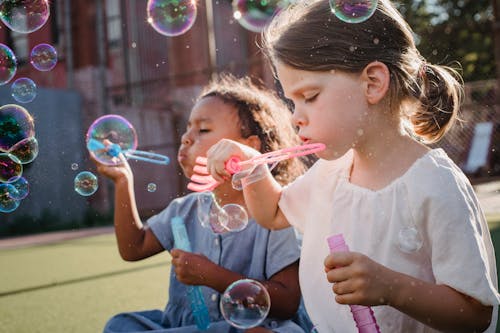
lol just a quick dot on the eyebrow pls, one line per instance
(201, 120)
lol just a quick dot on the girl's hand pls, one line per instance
(357, 279)
(190, 268)
(221, 152)
(114, 172)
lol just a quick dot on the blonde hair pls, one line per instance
(261, 112)
(308, 36)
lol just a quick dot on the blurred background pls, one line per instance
(112, 59)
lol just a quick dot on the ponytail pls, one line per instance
(439, 91)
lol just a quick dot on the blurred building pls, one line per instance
(111, 61)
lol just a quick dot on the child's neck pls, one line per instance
(377, 165)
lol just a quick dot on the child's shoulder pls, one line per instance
(435, 174)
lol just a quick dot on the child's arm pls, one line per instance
(261, 197)
(360, 280)
(134, 241)
(196, 269)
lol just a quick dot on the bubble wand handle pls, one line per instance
(147, 156)
(363, 315)
(198, 306)
(234, 165)
(114, 150)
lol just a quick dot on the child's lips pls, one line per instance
(305, 140)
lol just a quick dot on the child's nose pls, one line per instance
(186, 140)
(298, 118)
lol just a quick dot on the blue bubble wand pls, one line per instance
(113, 150)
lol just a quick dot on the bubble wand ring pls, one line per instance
(110, 135)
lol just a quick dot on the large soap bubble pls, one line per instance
(8, 64)
(24, 16)
(16, 124)
(245, 303)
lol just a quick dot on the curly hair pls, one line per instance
(261, 112)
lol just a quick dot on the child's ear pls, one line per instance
(377, 78)
(253, 141)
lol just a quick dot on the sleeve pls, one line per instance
(282, 250)
(461, 250)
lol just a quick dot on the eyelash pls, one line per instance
(310, 99)
(204, 130)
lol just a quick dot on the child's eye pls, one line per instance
(204, 130)
(310, 99)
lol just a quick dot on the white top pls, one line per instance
(432, 205)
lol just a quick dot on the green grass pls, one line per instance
(77, 285)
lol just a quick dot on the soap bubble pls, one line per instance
(115, 129)
(43, 57)
(23, 90)
(86, 183)
(353, 11)
(74, 166)
(7, 202)
(234, 217)
(10, 168)
(25, 150)
(8, 64)
(171, 17)
(22, 187)
(245, 303)
(254, 15)
(16, 124)
(24, 16)
(409, 239)
(151, 187)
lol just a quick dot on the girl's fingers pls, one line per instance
(338, 259)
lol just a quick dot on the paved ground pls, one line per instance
(488, 194)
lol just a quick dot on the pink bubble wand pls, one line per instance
(201, 180)
(363, 315)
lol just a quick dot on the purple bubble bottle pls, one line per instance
(363, 315)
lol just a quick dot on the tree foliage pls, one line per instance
(454, 30)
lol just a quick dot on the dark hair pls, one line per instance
(261, 112)
(308, 36)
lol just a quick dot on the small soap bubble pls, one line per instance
(86, 183)
(245, 303)
(43, 57)
(24, 16)
(7, 202)
(23, 90)
(74, 166)
(25, 150)
(353, 11)
(171, 17)
(210, 220)
(254, 15)
(409, 239)
(117, 131)
(8, 64)
(10, 168)
(22, 187)
(16, 124)
(235, 217)
(151, 187)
